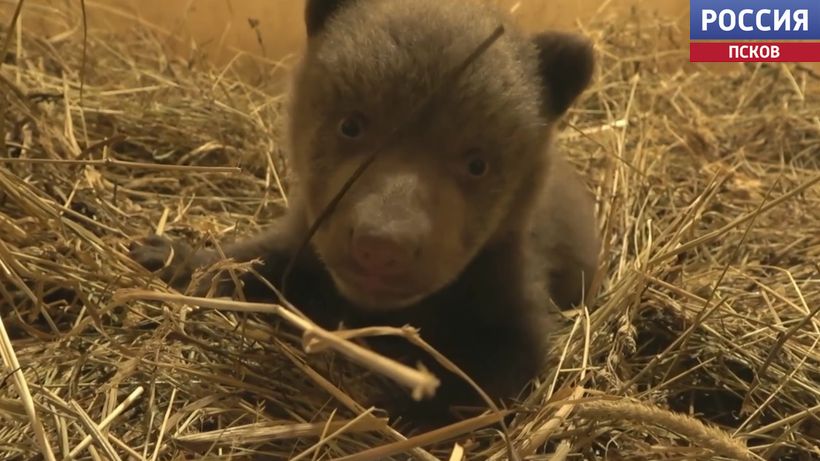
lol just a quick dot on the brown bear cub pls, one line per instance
(464, 225)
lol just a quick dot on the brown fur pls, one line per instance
(421, 237)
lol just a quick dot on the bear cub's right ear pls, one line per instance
(566, 63)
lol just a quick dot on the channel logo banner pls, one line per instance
(754, 31)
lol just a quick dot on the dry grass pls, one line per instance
(703, 344)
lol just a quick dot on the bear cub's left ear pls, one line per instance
(566, 63)
(319, 12)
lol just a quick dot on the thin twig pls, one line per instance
(421, 382)
(10, 360)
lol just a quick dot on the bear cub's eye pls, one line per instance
(352, 126)
(476, 165)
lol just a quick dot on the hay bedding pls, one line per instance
(703, 342)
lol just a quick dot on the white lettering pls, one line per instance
(759, 20)
(782, 20)
(754, 51)
(765, 20)
(801, 20)
(723, 17)
(741, 20)
(707, 17)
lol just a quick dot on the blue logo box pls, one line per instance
(754, 19)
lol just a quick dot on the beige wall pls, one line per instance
(219, 27)
(280, 21)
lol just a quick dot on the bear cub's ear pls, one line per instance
(318, 12)
(565, 62)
